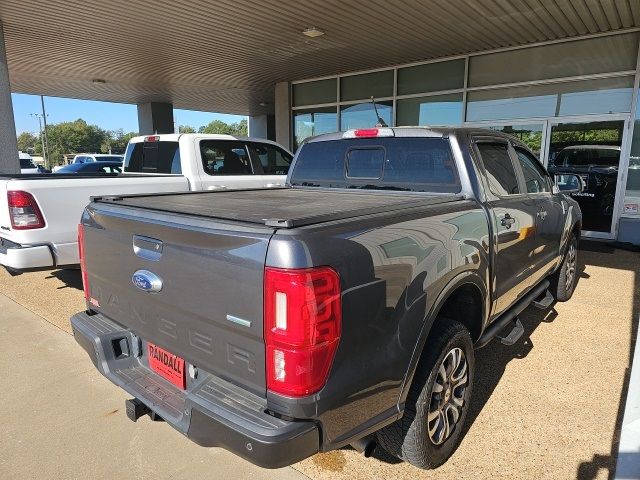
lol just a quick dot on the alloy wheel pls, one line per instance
(447, 396)
(570, 273)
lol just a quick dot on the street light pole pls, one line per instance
(46, 138)
(44, 153)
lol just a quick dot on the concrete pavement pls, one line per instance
(62, 420)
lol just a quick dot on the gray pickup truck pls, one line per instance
(341, 309)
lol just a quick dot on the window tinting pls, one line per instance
(534, 177)
(361, 87)
(409, 164)
(315, 93)
(431, 77)
(613, 53)
(274, 160)
(26, 163)
(500, 171)
(585, 157)
(153, 157)
(225, 158)
(365, 163)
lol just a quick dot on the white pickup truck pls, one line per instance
(39, 214)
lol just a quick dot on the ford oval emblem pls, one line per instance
(147, 281)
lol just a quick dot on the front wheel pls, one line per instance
(563, 282)
(438, 400)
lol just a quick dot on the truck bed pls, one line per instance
(281, 208)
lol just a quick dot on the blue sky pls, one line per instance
(110, 116)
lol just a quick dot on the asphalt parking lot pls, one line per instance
(548, 407)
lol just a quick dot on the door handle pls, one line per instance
(507, 220)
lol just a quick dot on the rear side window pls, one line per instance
(501, 173)
(274, 160)
(153, 157)
(225, 158)
(406, 164)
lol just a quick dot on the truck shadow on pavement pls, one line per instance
(71, 278)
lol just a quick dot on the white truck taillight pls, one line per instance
(302, 323)
(24, 211)
(83, 266)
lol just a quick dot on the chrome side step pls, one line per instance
(514, 335)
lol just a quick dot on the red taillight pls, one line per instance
(152, 138)
(83, 267)
(24, 211)
(366, 132)
(302, 321)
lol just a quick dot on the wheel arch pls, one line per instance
(466, 286)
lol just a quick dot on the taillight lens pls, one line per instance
(83, 267)
(24, 211)
(302, 322)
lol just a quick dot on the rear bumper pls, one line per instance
(212, 412)
(18, 258)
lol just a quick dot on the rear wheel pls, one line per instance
(563, 282)
(437, 404)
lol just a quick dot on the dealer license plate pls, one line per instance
(166, 364)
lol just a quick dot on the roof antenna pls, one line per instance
(381, 122)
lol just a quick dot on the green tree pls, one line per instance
(117, 141)
(27, 142)
(186, 129)
(219, 127)
(74, 137)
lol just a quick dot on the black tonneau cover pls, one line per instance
(281, 207)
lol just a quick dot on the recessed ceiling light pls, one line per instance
(99, 80)
(263, 104)
(312, 32)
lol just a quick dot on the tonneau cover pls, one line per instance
(283, 208)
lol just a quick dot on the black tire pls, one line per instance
(409, 438)
(563, 282)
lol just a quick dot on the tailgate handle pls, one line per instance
(147, 248)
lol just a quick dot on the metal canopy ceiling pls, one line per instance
(227, 55)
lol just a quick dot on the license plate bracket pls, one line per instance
(166, 364)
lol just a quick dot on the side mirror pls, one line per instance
(569, 183)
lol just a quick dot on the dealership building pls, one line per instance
(561, 75)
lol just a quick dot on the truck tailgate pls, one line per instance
(209, 308)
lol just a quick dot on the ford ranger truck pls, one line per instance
(39, 214)
(341, 309)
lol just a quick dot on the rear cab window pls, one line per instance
(153, 157)
(402, 164)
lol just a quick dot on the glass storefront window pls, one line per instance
(308, 123)
(361, 87)
(430, 110)
(614, 53)
(432, 77)
(363, 115)
(609, 95)
(632, 194)
(315, 93)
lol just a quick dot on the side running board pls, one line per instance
(510, 315)
(514, 335)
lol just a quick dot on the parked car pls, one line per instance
(341, 309)
(93, 167)
(97, 157)
(597, 165)
(26, 163)
(39, 214)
